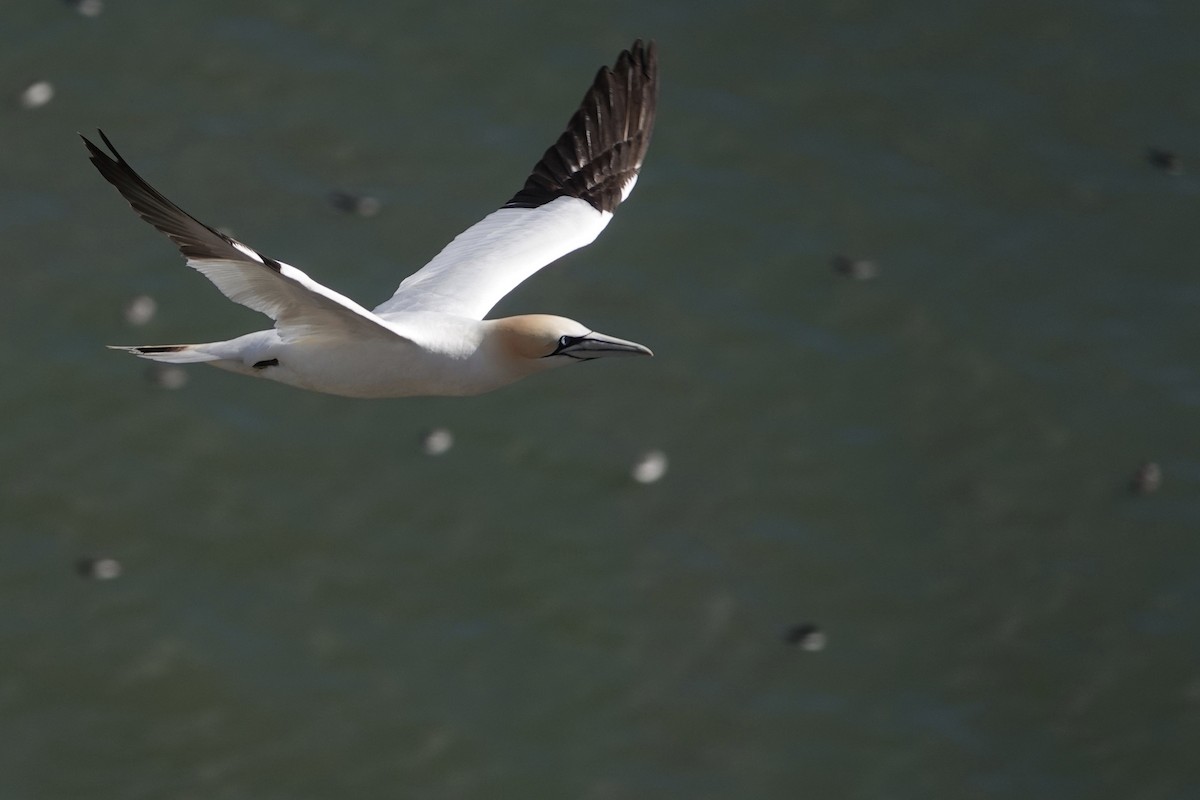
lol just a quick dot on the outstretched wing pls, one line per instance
(567, 200)
(300, 306)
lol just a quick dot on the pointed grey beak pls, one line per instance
(599, 345)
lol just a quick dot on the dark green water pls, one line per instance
(931, 466)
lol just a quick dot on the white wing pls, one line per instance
(489, 259)
(566, 201)
(300, 306)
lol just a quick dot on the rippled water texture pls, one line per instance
(891, 550)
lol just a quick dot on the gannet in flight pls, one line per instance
(430, 337)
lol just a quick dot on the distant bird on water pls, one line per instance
(430, 337)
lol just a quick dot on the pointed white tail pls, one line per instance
(171, 353)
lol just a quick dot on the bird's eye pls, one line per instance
(561, 344)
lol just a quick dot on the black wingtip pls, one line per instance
(97, 155)
(112, 155)
(605, 142)
(110, 146)
(193, 238)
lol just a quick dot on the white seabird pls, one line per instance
(430, 337)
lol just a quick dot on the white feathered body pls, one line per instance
(450, 356)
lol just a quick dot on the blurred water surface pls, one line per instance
(930, 465)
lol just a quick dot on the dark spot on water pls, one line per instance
(1165, 160)
(806, 635)
(1147, 479)
(860, 269)
(98, 568)
(361, 204)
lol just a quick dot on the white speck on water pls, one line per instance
(814, 642)
(37, 94)
(169, 376)
(88, 8)
(140, 310)
(651, 467)
(437, 441)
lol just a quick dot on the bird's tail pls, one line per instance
(171, 353)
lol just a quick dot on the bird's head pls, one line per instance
(543, 341)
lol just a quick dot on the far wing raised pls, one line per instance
(569, 197)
